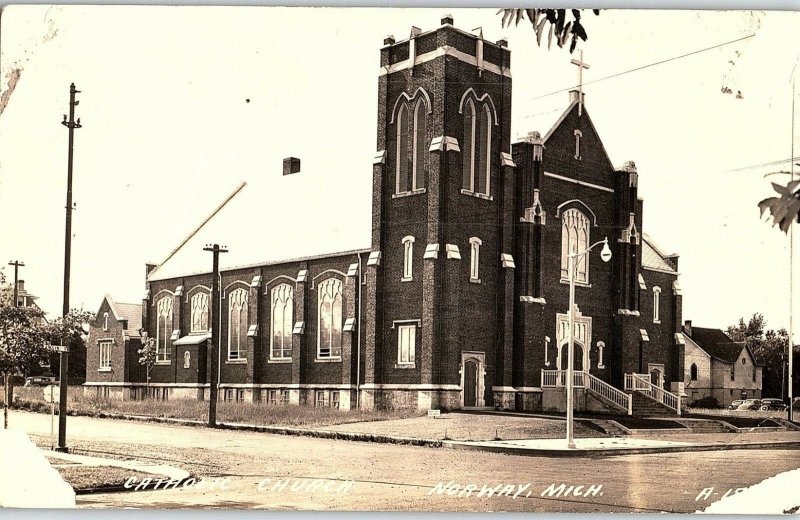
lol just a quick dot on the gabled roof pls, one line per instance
(718, 344)
(653, 257)
(130, 312)
(277, 219)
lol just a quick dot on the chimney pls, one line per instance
(389, 40)
(447, 19)
(502, 42)
(687, 327)
(291, 165)
(573, 96)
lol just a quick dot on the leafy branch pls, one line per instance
(557, 22)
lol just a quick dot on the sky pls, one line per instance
(179, 105)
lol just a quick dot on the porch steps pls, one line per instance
(646, 406)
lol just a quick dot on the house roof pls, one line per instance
(717, 344)
(130, 312)
(654, 258)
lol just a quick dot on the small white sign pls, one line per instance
(52, 393)
(60, 348)
(434, 413)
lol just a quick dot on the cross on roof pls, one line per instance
(581, 65)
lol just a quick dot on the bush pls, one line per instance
(706, 402)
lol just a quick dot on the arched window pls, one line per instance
(656, 304)
(329, 335)
(237, 324)
(163, 328)
(693, 372)
(282, 312)
(476, 152)
(408, 258)
(575, 239)
(474, 261)
(199, 314)
(187, 359)
(105, 321)
(412, 151)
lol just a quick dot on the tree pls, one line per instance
(558, 23)
(23, 343)
(769, 348)
(70, 330)
(147, 356)
(785, 208)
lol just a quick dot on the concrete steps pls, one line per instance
(612, 428)
(647, 407)
(706, 425)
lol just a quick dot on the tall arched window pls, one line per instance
(575, 239)
(412, 151)
(329, 335)
(656, 304)
(282, 317)
(163, 328)
(477, 150)
(474, 259)
(237, 324)
(693, 372)
(105, 321)
(408, 258)
(199, 314)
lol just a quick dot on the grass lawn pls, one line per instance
(472, 427)
(246, 413)
(83, 478)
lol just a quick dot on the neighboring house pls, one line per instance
(112, 358)
(455, 293)
(24, 298)
(719, 367)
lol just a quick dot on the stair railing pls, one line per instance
(613, 394)
(641, 383)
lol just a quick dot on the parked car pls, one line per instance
(750, 404)
(776, 405)
(735, 404)
(40, 381)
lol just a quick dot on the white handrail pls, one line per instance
(613, 394)
(642, 384)
(553, 378)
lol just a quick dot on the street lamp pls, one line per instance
(605, 255)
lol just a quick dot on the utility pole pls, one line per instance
(6, 395)
(17, 264)
(71, 124)
(216, 326)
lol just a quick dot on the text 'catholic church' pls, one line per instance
(460, 296)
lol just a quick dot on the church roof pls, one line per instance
(278, 219)
(653, 258)
(717, 344)
(130, 312)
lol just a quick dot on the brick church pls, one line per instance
(458, 297)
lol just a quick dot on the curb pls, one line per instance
(533, 452)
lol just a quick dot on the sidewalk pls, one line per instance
(631, 445)
(161, 470)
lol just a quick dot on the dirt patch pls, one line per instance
(86, 479)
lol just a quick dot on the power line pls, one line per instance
(647, 66)
(773, 163)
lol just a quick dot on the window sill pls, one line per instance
(236, 361)
(409, 279)
(577, 284)
(601, 367)
(167, 362)
(405, 366)
(104, 369)
(279, 361)
(476, 194)
(329, 360)
(474, 280)
(408, 193)
(657, 321)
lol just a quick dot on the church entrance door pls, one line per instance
(470, 383)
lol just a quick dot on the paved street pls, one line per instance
(393, 477)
